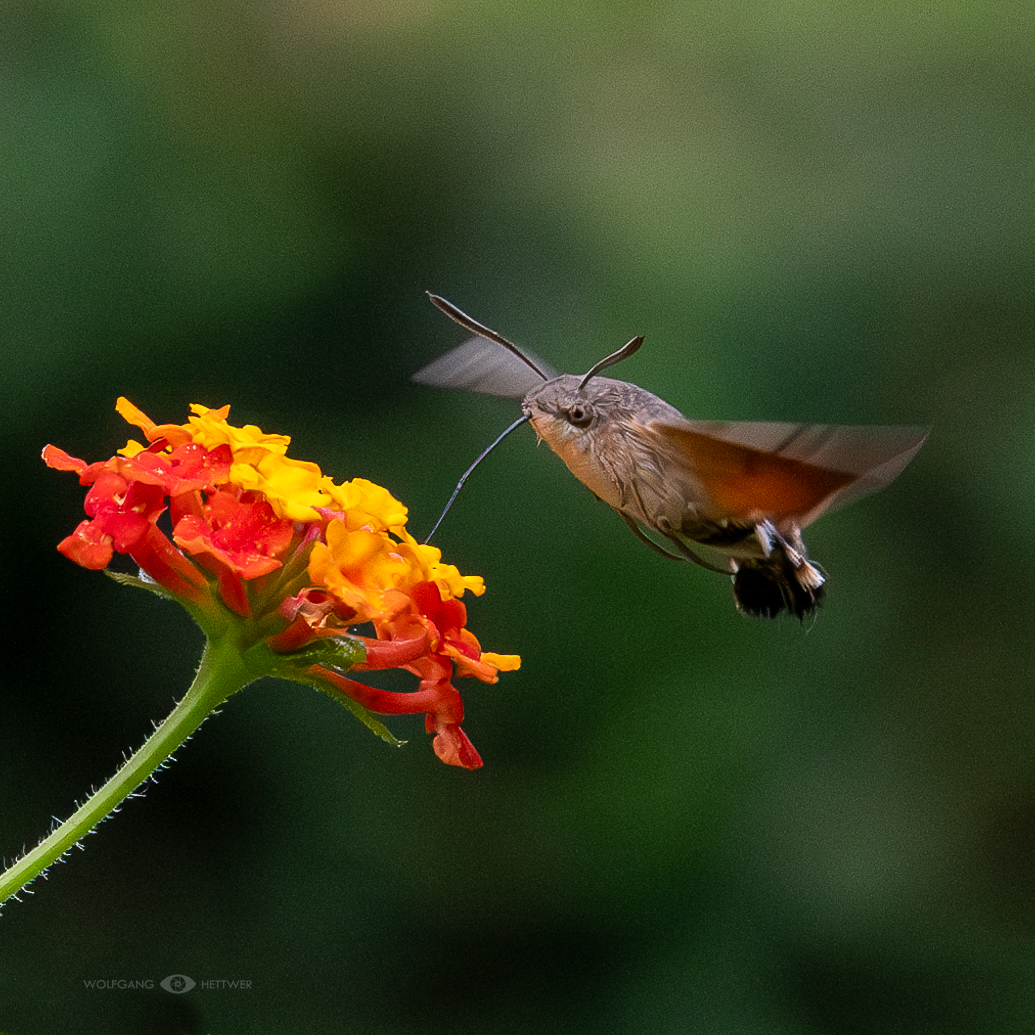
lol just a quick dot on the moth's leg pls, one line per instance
(685, 553)
(638, 532)
(664, 526)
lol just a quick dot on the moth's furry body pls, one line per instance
(731, 496)
(606, 434)
(603, 433)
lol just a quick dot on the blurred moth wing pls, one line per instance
(488, 362)
(480, 365)
(790, 472)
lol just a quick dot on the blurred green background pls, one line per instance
(687, 821)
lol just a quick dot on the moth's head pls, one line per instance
(569, 404)
(567, 408)
(561, 401)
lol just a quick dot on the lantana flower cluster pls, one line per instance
(267, 548)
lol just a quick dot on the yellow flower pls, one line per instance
(271, 542)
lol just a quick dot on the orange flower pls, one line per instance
(272, 549)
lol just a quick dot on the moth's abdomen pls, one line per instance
(765, 588)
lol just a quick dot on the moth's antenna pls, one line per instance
(616, 357)
(485, 453)
(468, 322)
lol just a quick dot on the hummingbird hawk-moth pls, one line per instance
(731, 496)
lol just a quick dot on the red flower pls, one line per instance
(273, 552)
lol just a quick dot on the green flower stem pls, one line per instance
(223, 671)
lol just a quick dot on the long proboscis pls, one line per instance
(469, 471)
(471, 324)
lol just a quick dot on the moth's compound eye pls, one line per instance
(580, 415)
